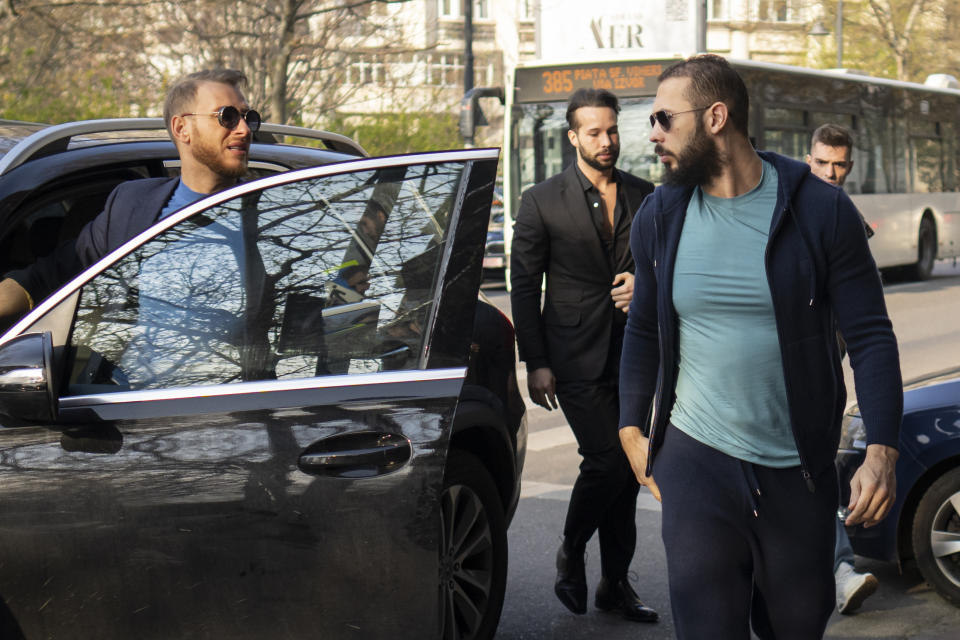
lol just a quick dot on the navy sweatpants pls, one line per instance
(744, 543)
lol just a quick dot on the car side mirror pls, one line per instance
(26, 378)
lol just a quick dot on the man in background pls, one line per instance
(830, 159)
(574, 229)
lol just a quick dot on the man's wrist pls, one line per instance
(882, 452)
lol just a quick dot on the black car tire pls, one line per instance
(473, 551)
(935, 525)
(926, 250)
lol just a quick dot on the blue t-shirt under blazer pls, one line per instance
(730, 386)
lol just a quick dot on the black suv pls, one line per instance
(280, 412)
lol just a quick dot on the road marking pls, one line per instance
(551, 491)
(549, 438)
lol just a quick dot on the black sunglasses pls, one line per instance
(229, 117)
(663, 118)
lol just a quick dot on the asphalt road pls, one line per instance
(924, 317)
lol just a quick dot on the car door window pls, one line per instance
(323, 276)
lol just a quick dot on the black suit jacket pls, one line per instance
(132, 207)
(554, 234)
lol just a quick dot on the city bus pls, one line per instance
(906, 173)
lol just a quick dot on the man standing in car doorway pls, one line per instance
(211, 125)
(574, 229)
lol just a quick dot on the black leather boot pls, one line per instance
(571, 585)
(621, 597)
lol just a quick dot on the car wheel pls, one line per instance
(926, 250)
(936, 536)
(473, 551)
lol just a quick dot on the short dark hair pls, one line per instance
(183, 92)
(832, 135)
(589, 98)
(712, 79)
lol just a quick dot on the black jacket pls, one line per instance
(819, 268)
(554, 234)
(132, 207)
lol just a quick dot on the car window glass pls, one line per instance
(330, 275)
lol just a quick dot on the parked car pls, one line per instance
(924, 525)
(215, 432)
(494, 254)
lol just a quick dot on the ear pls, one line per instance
(180, 130)
(717, 117)
(808, 158)
(572, 136)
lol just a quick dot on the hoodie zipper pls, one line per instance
(781, 216)
(661, 342)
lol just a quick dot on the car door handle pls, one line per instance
(355, 455)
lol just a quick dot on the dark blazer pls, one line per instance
(554, 234)
(132, 207)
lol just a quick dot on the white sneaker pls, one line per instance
(852, 587)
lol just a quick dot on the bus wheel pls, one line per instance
(926, 250)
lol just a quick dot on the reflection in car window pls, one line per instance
(329, 275)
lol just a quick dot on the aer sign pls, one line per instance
(575, 29)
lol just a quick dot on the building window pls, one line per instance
(455, 8)
(778, 10)
(445, 70)
(527, 9)
(449, 8)
(366, 70)
(717, 10)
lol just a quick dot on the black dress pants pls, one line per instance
(745, 544)
(604, 497)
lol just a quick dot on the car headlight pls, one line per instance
(853, 435)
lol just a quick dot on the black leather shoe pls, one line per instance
(571, 585)
(620, 596)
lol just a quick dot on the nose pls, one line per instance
(243, 128)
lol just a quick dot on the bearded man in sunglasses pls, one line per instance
(574, 228)
(731, 391)
(211, 125)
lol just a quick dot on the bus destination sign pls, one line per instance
(625, 79)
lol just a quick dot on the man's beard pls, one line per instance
(697, 164)
(210, 158)
(613, 150)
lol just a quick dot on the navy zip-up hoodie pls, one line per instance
(821, 276)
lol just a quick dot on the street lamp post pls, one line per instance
(819, 30)
(839, 34)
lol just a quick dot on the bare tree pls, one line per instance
(898, 23)
(296, 52)
(72, 59)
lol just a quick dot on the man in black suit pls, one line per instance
(574, 228)
(211, 125)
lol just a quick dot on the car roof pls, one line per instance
(22, 142)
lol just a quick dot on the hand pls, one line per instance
(14, 303)
(873, 488)
(622, 294)
(636, 445)
(542, 387)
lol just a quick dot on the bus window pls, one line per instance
(927, 165)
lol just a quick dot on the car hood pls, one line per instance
(932, 390)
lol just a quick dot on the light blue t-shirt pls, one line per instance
(730, 389)
(182, 196)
